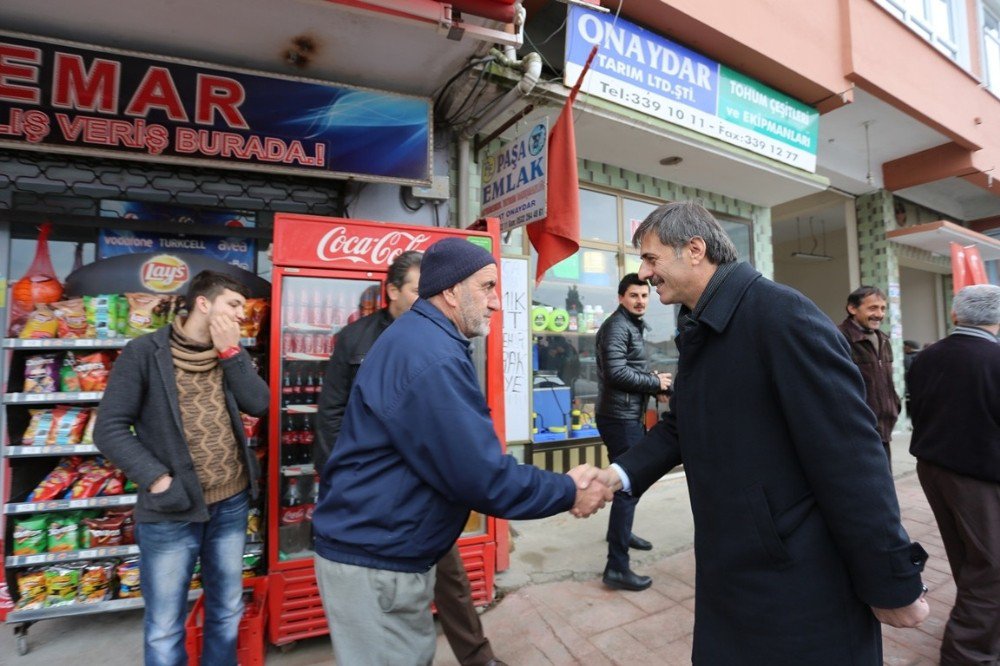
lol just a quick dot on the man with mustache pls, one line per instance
(872, 352)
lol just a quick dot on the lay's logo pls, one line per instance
(164, 273)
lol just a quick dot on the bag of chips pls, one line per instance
(40, 324)
(69, 380)
(71, 317)
(38, 428)
(41, 373)
(95, 582)
(88, 431)
(58, 481)
(93, 370)
(140, 314)
(31, 534)
(64, 532)
(31, 590)
(254, 313)
(128, 523)
(128, 579)
(68, 424)
(91, 482)
(103, 532)
(122, 323)
(102, 315)
(62, 582)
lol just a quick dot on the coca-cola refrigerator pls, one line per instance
(329, 272)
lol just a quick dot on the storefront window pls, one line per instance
(574, 298)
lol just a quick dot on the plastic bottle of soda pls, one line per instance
(313, 497)
(289, 439)
(316, 311)
(287, 390)
(293, 510)
(306, 438)
(310, 389)
(298, 393)
(329, 314)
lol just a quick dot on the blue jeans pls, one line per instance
(619, 436)
(167, 553)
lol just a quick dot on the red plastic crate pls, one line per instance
(250, 645)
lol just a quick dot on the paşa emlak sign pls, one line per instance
(68, 97)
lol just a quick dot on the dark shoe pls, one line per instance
(496, 662)
(638, 543)
(626, 580)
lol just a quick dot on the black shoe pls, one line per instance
(626, 580)
(638, 543)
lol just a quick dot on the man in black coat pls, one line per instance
(799, 547)
(625, 385)
(955, 388)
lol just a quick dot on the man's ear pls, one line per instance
(391, 292)
(697, 248)
(451, 296)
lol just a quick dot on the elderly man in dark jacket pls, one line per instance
(871, 350)
(799, 547)
(625, 385)
(955, 385)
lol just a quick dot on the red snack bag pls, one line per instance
(93, 370)
(100, 532)
(115, 484)
(128, 525)
(58, 481)
(72, 318)
(68, 424)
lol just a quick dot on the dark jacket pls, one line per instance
(416, 451)
(624, 382)
(876, 370)
(797, 527)
(350, 347)
(955, 390)
(142, 393)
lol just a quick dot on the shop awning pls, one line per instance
(936, 237)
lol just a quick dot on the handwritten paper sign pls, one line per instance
(516, 348)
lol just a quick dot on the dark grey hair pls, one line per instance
(978, 305)
(400, 267)
(855, 298)
(678, 222)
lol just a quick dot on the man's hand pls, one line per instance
(666, 379)
(609, 477)
(225, 331)
(906, 617)
(161, 484)
(591, 494)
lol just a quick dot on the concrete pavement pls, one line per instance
(552, 607)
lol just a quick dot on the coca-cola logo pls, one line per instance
(338, 245)
(290, 515)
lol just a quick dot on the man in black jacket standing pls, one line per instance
(625, 385)
(452, 594)
(955, 389)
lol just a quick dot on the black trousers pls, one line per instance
(967, 512)
(457, 614)
(619, 436)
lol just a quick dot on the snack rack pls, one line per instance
(23, 466)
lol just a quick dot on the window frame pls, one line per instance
(954, 47)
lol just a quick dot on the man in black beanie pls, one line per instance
(416, 452)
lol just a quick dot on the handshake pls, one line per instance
(595, 487)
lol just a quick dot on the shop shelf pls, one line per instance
(300, 409)
(38, 451)
(73, 555)
(308, 328)
(298, 470)
(84, 609)
(69, 504)
(83, 343)
(52, 398)
(301, 356)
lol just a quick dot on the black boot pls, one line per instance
(626, 580)
(638, 543)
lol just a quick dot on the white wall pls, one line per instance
(920, 314)
(826, 283)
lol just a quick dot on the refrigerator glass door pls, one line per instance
(313, 310)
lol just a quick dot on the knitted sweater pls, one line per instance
(216, 455)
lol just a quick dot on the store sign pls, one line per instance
(515, 178)
(655, 76)
(68, 97)
(233, 250)
(332, 242)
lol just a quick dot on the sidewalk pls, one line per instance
(552, 607)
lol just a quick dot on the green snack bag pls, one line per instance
(251, 561)
(61, 584)
(69, 380)
(102, 315)
(122, 310)
(31, 536)
(64, 532)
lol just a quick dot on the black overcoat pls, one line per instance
(797, 528)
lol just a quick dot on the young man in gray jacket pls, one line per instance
(182, 389)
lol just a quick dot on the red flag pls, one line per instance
(558, 235)
(966, 267)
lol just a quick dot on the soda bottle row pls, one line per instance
(298, 499)
(317, 344)
(297, 436)
(320, 306)
(302, 387)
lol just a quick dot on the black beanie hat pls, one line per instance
(448, 262)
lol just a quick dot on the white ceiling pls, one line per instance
(351, 46)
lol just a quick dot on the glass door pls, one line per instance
(313, 310)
